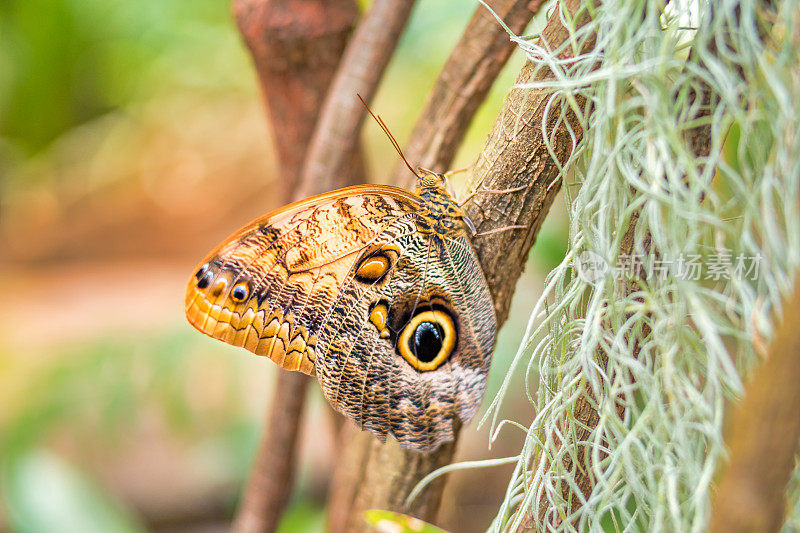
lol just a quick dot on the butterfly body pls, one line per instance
(375, 290)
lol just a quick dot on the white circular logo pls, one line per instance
(591, 267)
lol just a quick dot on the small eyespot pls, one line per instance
(376, 263)
(202, 271)
(205, 281)
(240, 292)
(373, 268)
(379, 316)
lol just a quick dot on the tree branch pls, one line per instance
(272, 476)
(382, 475)
(516, 155)
(465, 80)
(296, 46)
(763, 437)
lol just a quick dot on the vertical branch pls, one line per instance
(763, 436)
(328, 162)
(272, 476)
(296, 46)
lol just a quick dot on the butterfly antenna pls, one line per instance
(388, 133)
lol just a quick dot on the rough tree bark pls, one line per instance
(296, 46)
(516, 155)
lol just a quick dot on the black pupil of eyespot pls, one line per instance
(201, 271)
(205, 280)
(239, 293)
(427, 341)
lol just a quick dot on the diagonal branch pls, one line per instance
(465, 80)
(382, 475)
(763, 437)
(517, 155)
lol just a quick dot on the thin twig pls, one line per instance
(336, 136)
(272, 476)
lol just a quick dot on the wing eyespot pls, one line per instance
(373, 265)
(379, 316)
(201, 271)
(428, 339)
(240, 292)
(205, 278)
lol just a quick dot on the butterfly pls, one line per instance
(375, 290)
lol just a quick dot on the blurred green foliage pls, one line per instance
(398, 523)
(99, 394)
(65, 62)
(303, 515)
(45, 494)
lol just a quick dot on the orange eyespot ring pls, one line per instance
(373, 268)
(240, 292)
(428, 340)
(379, 317)
(376, 263)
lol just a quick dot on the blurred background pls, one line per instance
(132, 140)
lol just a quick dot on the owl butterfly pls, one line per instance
(375, 290)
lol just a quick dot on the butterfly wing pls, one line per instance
(397, 323)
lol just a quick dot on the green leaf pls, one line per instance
(391, 522)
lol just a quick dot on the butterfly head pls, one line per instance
(430, 180)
